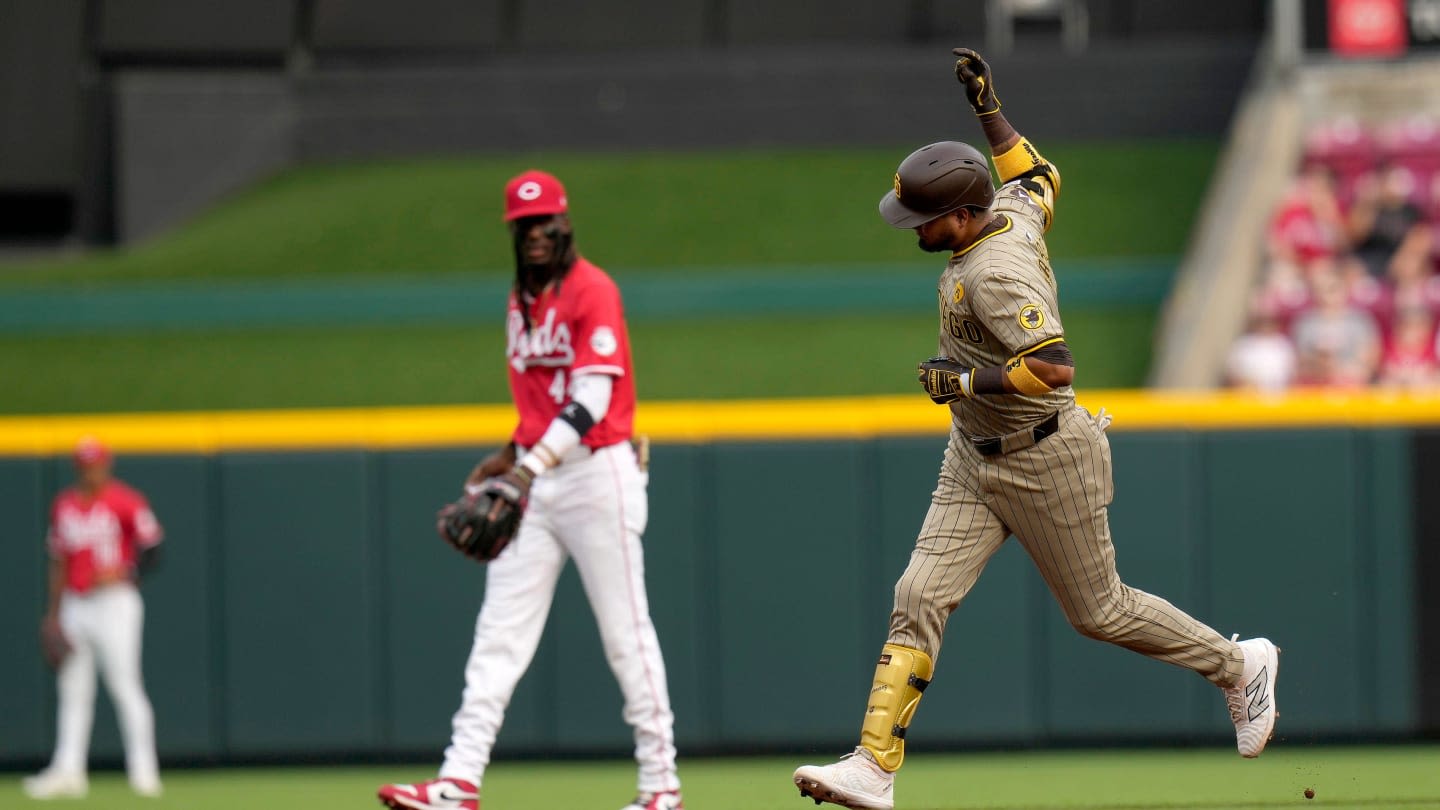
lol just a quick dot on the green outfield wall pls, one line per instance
(305, 607)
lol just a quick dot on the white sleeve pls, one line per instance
(593, 392)
(148, 533)
(589, 391)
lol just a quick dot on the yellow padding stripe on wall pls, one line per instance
(838, 418)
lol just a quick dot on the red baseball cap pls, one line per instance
(534, 194)
(89, 451)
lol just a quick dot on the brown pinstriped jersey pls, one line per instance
(998, 300)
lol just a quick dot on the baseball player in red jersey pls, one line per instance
(102, 534)
(572, 470)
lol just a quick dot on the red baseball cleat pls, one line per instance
(436, 794)
(664, 800)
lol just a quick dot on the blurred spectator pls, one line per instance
(1263, 359)
(1362, 290)
(1414, 145)
(1352, 250)
(1347, 149)
(1286, 291)
(1283, 292)
(1385, 219)
(1410, 360)
(1308, 224)
(1337, 344)
(1412, 282)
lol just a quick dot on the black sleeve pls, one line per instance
(1057, 354)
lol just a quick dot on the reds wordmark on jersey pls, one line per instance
(100, 535)
(577, 326)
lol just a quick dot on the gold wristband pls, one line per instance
(1024, 379)
(1017, 160)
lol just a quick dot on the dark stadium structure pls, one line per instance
(125, 116)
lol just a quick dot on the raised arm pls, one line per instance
(1016, 159)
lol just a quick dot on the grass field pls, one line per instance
(1406, 778)
(710, 209)
(818, 356)
(706, 212)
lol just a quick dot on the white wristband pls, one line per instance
(536, 461)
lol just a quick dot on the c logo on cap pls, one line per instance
(529, 190)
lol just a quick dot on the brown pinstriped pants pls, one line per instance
(1054, 498)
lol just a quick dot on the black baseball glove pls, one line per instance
(482, 523)
(53, 643)
(945, 380)
(971, 70)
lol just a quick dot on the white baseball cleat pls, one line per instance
(856, 781)
(148, 787)
(663, 800)
(52, 784)
(436, 794)
(1252, 699)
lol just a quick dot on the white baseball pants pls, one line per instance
(104, 628)
(591, 508)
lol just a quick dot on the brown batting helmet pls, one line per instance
(935, 180)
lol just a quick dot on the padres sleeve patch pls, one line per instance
(1032, 317)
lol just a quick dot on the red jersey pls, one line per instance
(576, 327)
(1297, 226)
(101, 534)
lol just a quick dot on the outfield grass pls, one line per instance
(704, 209)
(1376, 777)
(817, 356)
(712, 212)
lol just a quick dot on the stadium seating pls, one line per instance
(1362, 216)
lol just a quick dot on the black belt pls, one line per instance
(993, 446)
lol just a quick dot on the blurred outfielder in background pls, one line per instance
(103, 536)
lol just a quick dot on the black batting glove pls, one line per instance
(944, 380)
(971, 70)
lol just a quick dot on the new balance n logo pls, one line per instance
(1258, 694)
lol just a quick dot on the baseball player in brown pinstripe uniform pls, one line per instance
(1022, 459)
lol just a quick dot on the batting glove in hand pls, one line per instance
(485, 519)
(972, 72)
(53, 644)
(945, 380)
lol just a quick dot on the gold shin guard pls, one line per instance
(900, 679)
